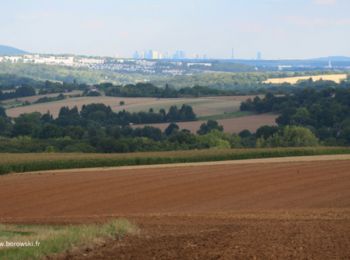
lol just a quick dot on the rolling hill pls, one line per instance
(7, 50)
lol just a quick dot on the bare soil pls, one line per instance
(237, 237)
(271, 210)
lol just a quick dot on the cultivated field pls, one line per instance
(202, 106)
(231, 125)
(293, 80)
(270, 209)
(32, 99)
(27, 162)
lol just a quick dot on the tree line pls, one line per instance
(324, 111)
(150, 90)
(96, 128)
(23, 91)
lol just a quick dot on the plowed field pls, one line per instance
(268, 210)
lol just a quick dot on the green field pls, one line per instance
(10, 163)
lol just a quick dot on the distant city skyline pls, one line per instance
(158, 55)
(278, 29)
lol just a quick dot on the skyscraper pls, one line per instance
(136, 55)
(330, 66)
(148, 54)
(179, 55)
(153, 55)
(258, 55)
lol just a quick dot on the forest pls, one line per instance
(325, 111)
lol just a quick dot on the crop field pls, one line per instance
(27, 162)
(35, 98)
(17, 102)
(202, 106)
(289, 208)
(293, 80)
(231, 125)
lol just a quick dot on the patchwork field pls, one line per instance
(268, 209)
(231, 125)
(293, 80)
(12, 103)
(35, 98)
(202, 106)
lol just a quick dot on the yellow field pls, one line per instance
(293, 80)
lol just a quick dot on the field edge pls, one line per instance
(211, 155)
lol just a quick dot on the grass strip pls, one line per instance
(50, 240)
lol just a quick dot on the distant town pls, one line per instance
(155, 62)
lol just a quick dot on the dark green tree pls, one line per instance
(209, 126)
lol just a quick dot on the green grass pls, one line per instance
(51, 161)
(226, 115)
(57, 239)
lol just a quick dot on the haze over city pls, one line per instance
(278, 29)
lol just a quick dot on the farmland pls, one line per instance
(9, 103)
(224, 109)
(50, 161)
(231, 125)
(293, 80)
(202, 106)
(38, 241)
(290, 208)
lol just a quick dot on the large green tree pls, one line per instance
(290, 136)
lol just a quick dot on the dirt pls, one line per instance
(271, 210)
(227, 238)
(231, 125)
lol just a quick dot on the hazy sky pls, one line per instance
(277, 28)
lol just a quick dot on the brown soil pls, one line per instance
(281, 210)
(227, 238)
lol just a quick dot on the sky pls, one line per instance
(279, 29)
